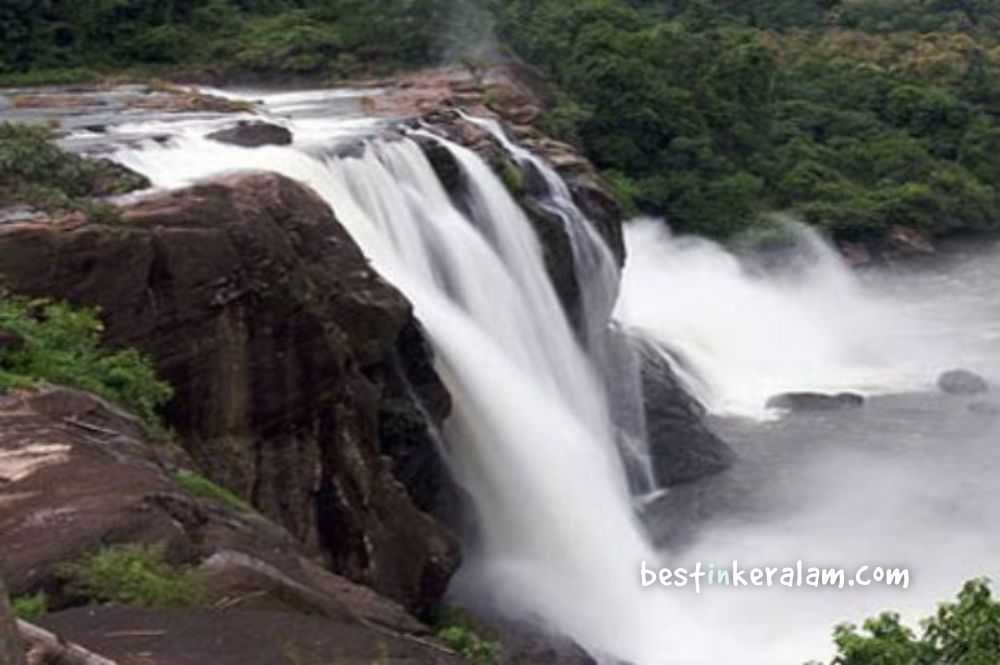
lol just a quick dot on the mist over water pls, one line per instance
(907, 481)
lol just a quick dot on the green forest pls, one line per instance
(714, 114)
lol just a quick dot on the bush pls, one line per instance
(132, 574)
(31, 607)
(966, 632)
(36, 172)
(456, 630)
(60, 344)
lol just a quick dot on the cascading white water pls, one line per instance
(530, 436)
(598, 277)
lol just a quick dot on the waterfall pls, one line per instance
(531, 437)
(598, 277)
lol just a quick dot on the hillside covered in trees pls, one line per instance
(855, 115)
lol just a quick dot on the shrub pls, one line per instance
(456, 630)
(35, 171)
(132, 574)
(966, 632)
(202, 486)
(61, 344)
(31, 607)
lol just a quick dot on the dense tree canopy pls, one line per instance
(853, 114)
(714, 113)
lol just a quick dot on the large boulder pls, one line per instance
(962, 382)
(811, 401)
(682, 447)
(286, 352)
(253, 134)
(77, 474)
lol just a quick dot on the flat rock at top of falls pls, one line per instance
(962, 382)
(295, 366)
(253, 134)
(812, 401)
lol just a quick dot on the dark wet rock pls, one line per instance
(11, 652)
(283, 347)
(810, 401)
(444, 164)
(253, 134)
(354, 149)
(682, 447)
(962, 382)
(96, 129)
(236, 637)
(985, 408)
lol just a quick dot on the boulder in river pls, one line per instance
(253, 134)
(683, 449)
(962, 382)
(811, 401)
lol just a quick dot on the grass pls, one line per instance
(52, 342)
(132, 574)
(31, 607)
(200, 486)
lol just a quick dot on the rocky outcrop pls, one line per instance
(10, 642)
(962, 382)
(681, 446)
(287, 354)
(77, 474)
(253, 134)
(810, 401)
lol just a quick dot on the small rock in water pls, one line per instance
(985, 408)
(962, 382)
(253, 135)
(806, 401)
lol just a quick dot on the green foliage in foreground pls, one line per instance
(36, 172)
(202, 486)
(132, 574)
(456, 630)
(965, 632)
(31, 607)
(856, 116)
(55, 343)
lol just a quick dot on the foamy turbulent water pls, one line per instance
(904, 481)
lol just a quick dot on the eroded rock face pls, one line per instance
(283, 347)
(76, 474)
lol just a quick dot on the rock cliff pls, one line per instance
(287, 354)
